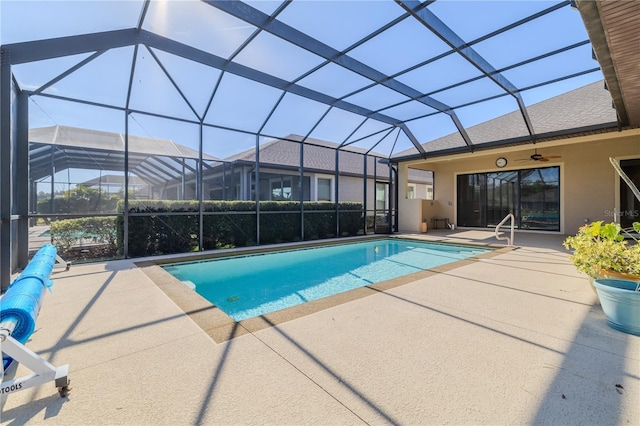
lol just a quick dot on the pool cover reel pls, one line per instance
(21, 303)
(19, 309)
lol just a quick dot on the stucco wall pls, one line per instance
(351, 189)
(589, 185)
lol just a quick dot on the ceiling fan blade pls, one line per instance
(538, 157)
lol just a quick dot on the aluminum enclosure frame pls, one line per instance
(14, 210)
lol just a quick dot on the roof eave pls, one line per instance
(525, 140)
(589, 10)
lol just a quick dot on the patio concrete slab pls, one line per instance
(517, 338)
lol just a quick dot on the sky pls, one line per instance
(169, 85)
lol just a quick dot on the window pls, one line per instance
(411, 191)
(381, 195)
(277, 187)
(324, 189)
(419, 184)
(281, 188)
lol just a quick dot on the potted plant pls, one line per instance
(620, 301)
(610, 255)
(602, 250)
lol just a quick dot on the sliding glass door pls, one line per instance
(532, 195)
(502, 196)
(540, 201)
(629, 205)
(472, 195)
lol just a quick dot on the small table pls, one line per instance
(436, 220)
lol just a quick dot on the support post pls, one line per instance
(21, 184)
(6, 198)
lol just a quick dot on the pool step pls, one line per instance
(189, 284)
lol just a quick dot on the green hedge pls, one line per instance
(231, 224)
(99, 230)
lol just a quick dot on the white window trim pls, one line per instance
(331, 179)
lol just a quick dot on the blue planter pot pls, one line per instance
(620, 302)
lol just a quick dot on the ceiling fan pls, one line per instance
(539, 157)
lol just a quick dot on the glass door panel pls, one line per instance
(472, 194)
(381, 196)
(502, 196)
(540, 199)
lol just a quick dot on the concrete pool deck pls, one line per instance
(517, 338)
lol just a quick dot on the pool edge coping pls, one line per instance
(221, 327)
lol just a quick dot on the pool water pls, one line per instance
(249, 286)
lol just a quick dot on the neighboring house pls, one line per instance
(280, 179)
(163, 169)
(114, 184)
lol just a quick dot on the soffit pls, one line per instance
(613, 27)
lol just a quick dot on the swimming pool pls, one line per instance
(252, 285)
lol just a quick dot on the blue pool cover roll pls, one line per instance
(21, 302)
(22, 306)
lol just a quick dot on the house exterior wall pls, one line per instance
(351, 189)
(589, 185)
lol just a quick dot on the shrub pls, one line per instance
(100, 230)
(230, 224)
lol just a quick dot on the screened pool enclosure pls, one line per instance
(140, 127)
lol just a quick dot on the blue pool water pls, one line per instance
(249, 286)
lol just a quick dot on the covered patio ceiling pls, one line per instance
(389, 76)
